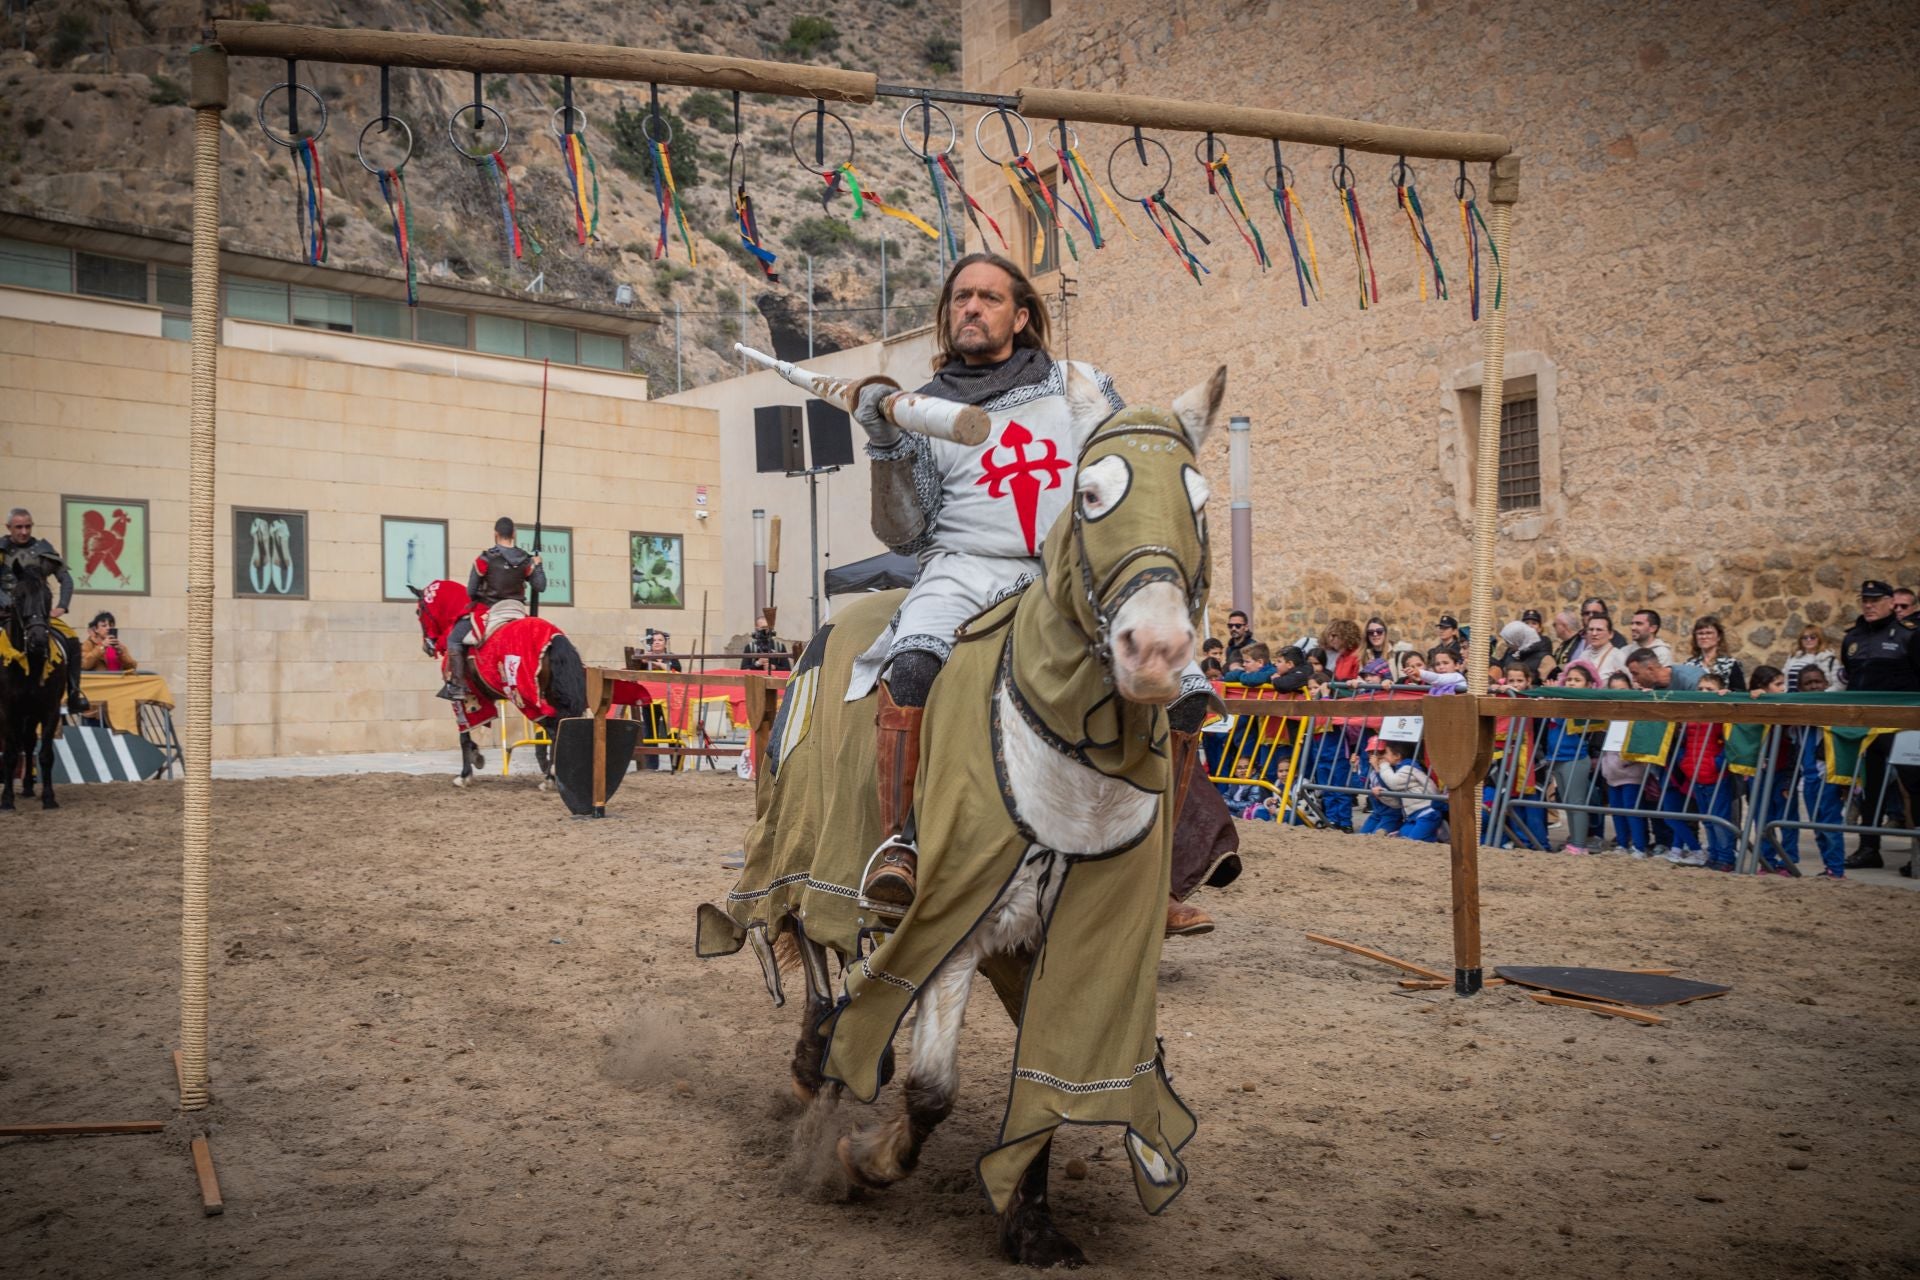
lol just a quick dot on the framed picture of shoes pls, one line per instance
(269, 554)
(106, 545)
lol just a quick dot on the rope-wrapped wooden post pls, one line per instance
(1463, 802)
(209, 63)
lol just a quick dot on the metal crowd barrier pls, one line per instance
(1741, 818)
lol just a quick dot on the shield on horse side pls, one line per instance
(573, 761)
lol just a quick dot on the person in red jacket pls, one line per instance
(1697, 782)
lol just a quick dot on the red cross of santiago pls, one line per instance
(1021, 477)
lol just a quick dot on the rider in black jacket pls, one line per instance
(37, 556)
(498, 580)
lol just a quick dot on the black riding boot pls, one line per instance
(455, 689)
(77, 703)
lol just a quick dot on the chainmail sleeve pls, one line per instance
(907, 494)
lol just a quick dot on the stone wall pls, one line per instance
(85, 410)
(1710, 253)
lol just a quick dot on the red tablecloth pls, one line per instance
(627, 693)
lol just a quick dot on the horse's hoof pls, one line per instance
(460, 780)
(546, 784)
(49, 803)
(1029, 1238)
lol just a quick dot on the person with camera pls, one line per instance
(101, 650)
(763, 641)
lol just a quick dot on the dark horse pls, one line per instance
(528, 662)
(30, 688)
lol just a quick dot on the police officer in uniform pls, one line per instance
(37, 555)
(498, 580)
(1881, 654)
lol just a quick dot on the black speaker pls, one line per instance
(829, 434)
(777, 445)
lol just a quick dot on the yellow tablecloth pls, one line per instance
(123, 695)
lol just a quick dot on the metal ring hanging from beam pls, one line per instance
(1007, 116)
(820, 115)
(563, 118)
(360, 147)
(480, 111)
(927, 111)
(260, 114)
(1140, 142)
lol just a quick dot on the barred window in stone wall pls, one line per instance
(1520, 454)
(1031, 13)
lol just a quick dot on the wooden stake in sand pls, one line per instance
(1596, 1006)
(1381, 956)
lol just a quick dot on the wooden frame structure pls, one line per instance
(208, 97)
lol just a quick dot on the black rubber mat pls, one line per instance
(1645, 990)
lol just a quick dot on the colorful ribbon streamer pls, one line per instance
(495, 166)
(583, 180)
(1362, 251)
(1473, 227)
(1218, 172)
(1170, 232)
(750, 232)
(670, 210)
(394, 188)
(1082, 206)
(310, 211)
(952, 242)
(975, 210)
(1020, 176)
(1306, 271)
(1409, 201)
(863, 196)
(1087, 183)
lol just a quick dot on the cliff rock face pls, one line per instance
(93, 123)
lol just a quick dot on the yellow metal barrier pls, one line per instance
(532, 734)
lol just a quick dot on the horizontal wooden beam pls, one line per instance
(1077, 106)
(80, 1128)
(540, 57)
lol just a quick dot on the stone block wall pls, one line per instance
(1710, 253)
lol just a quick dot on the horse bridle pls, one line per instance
(1194, 587)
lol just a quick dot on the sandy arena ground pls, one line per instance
(464, 1035)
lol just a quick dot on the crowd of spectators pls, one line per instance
(1878, 652)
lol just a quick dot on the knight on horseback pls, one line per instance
(497, 584)
(23, 553)
(975, 517)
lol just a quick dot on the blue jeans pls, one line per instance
(1384, 819)
(1825, 804)
(1780, 805)
(1527, 822)
(1629, 831)
(1716, 801)
(1424, 825)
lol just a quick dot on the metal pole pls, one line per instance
(1240, 473)
(743, 332)
(679, 382)
(883, 286)
(810, 342)
(540, 475)
(813, 568)
(759, 561)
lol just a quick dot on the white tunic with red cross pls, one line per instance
(996, 502)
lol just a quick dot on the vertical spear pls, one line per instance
(540, 475)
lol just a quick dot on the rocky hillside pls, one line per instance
(93, 123)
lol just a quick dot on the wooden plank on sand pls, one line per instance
(1595, 1006)
(1381, 956)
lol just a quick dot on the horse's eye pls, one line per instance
(1103, 485)
(1197, 488)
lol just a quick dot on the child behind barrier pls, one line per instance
(1626, 784)
(1697, 782)
(1824, 801)
(1563, 749)
(1402, 781)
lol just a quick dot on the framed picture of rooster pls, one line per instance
(269, 554)
(105, 545)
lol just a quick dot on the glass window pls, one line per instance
(1520, 454)
(36, 266)
(173, 287)
(442, 328)
(177, 327)
(257, 300)
(603, 351)
(379, 318)
(550, 342)
(120, 278)
(499, 336)
(323, 309)
(1031, 13)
